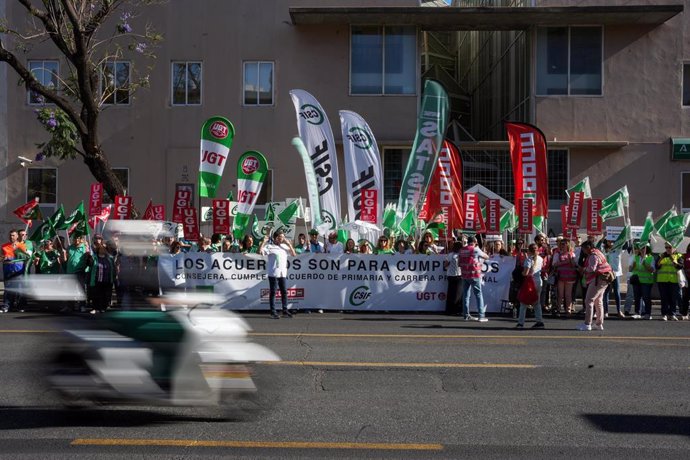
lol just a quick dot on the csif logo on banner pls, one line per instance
(311, 114)
(359, 295)
(360, 138)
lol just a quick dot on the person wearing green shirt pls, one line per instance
(48, 260)
(78, 255)
(301, 245)
(642, 279)
(382, 246)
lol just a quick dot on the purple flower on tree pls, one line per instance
(51, 122)
(140, 48)
(40, 156)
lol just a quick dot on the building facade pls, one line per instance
(610, 88)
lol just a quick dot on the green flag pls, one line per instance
(288, 214)
(270, 213)
(673, 230)
(509, 221)
(47, 230)
(661, 221)
(647, 230)
(620, 194)
(582, 186)
(217, 134)
(389, 216)
(76, 216)
(623, 237)
(256, 231)
(407, 223)
(251, 173)
(231, 197)
(614, 208)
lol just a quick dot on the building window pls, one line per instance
(186, 83)
(123, 175)
(115, 82)
(46, 72)
(383, 60)
(569, 61)
(394, 162)
(258, 83)
(41, 183)
(686, 84)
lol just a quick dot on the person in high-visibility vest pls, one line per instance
(667, 268)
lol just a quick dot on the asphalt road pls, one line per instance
(387, 386)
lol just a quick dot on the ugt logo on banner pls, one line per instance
(183, 200)
(190, 224)
(369, 205)
(123, 207)
(95, 199)
(221, 216)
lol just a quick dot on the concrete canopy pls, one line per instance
(486, 18)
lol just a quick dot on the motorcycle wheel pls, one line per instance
(248, 405)
(66, 365)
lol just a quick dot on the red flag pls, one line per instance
(190, 224)
(221, 217)
(183, 200)
(575, 206)
(493, 216)
(123, 207)
(102, 216)
(528, 154)
(148, 214)
(594, 221)
(525, 208)
(444, 196)
(369, 205)
(95, 199)
(29, 211)
(474, 222)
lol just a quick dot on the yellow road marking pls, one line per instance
(254, 444)
(526, 336)
(435, 365)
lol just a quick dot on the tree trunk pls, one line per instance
(101, 170)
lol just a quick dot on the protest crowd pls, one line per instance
(559, 267)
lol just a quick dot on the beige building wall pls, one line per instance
(641, 104)
(160, 142)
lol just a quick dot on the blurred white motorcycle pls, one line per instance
(199, 356)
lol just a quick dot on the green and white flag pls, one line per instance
(312, 187)
(674, 228)
(582, 186)
(614, 206)
(216, 139)
(251, 173)
(48, 229)
(389, 216)
(646, 231)
(407, 224)
(270, 213)
(624, 236)
(509, 221)
(77, 216)
(431, 128)
(287, 215)
(661, 221)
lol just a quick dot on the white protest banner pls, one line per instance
(350, 282)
